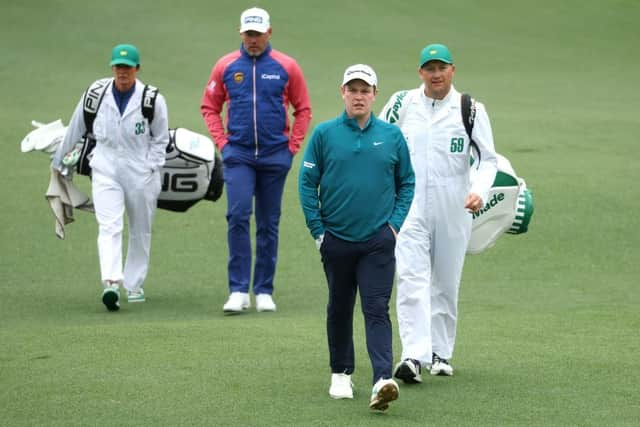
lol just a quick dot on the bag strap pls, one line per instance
(468, 109)
(95, 93)
(149, 95)
(91, 101)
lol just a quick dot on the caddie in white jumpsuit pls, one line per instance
(432, 242)
(125, 174)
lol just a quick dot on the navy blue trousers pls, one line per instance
(368, 267)
(265, 183)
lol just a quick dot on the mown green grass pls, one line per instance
(548, 331)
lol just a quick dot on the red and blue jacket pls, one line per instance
(257, 91)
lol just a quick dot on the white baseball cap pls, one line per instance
(360, 72)
(255, 19)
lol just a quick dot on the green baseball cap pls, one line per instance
(126, 54)
(435, 52)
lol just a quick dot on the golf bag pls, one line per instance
(508, 209)
(192, 170)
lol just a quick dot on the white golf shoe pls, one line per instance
(237, 303)
(440, 366)
(136, 296)
(264, 302)
(383, 393)
(341, 386)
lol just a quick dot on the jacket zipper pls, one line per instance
(255, 109)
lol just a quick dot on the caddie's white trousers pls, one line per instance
(430, 255)
(112, 195)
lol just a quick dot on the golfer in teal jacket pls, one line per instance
(356, 186)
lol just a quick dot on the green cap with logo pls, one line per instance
(435, 52)
(125, 54)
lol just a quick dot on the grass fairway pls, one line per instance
(549, 321)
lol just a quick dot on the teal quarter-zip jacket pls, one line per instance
(352, 181)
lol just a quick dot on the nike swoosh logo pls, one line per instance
(378, 143)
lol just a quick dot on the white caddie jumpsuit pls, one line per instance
(431, 245)
(125, 168)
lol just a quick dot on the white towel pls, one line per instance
(63, 196)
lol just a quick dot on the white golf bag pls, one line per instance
(508, 209)
(192, 170)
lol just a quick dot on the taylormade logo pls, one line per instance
(392, 115)
(497, 198)
(358, 71)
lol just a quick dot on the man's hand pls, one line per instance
(473, 202)
(319, 241)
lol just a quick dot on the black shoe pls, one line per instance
(111, 298)
(408, 371)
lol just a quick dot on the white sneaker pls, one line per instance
(237, 302)
(383, 392)
(440, 366)
(341, 386)
(264, 302)
(136, 296)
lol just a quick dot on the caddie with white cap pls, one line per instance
(367, 187)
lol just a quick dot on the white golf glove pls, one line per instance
(319, 241)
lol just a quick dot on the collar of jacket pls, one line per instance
(246, 54)
(437, 102)
(352, 122)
